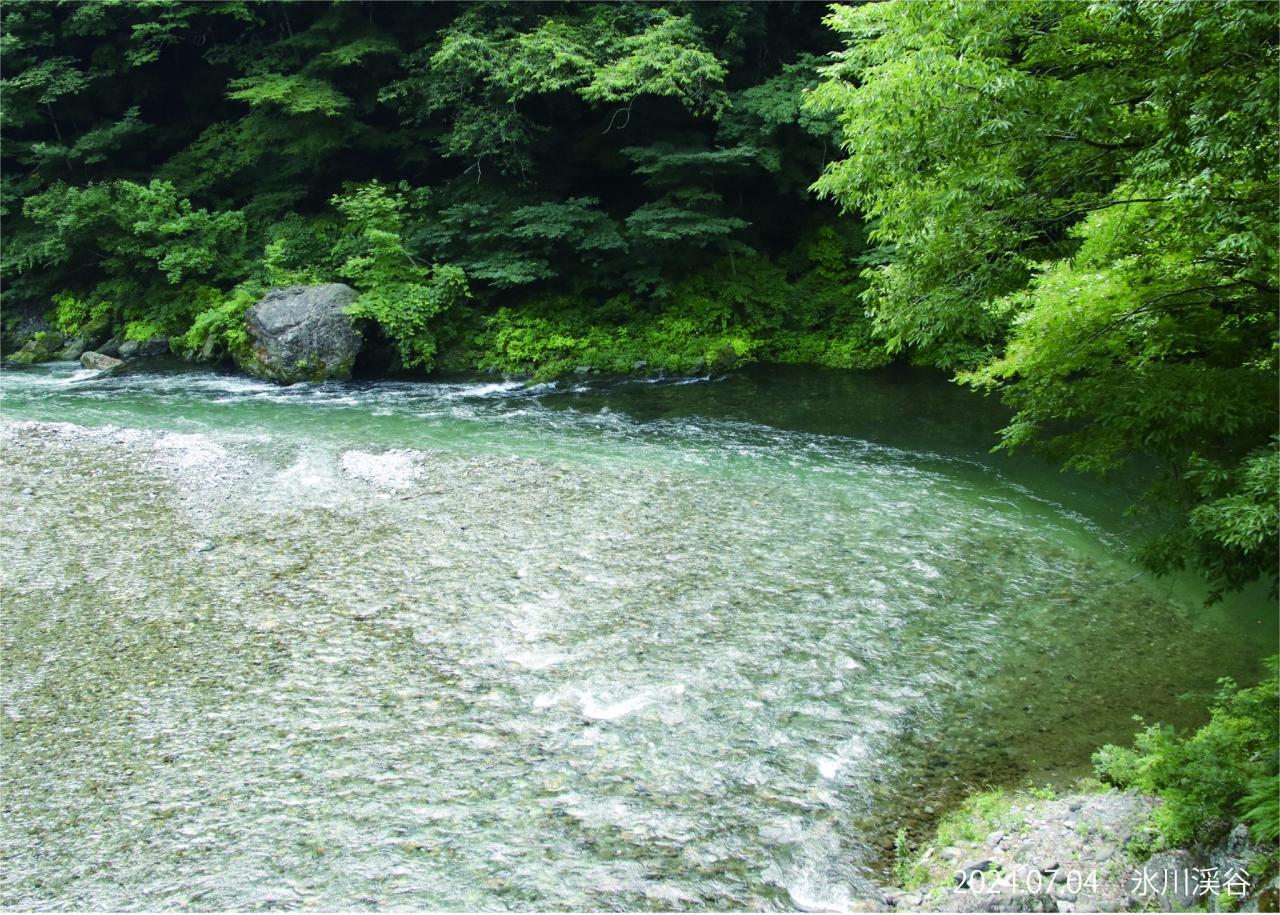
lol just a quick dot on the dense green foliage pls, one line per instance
(1071, 204)
(512, 186)
(1229, 768)
(1079, 202)
(800, 308)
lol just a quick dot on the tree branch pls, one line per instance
(1097, 144)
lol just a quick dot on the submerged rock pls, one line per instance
(302, 333)
(92, 360)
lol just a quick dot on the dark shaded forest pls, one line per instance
(1072, 206)
(525, 187)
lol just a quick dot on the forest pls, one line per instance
(1070, 206)
(1072, 209)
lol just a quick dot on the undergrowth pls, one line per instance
(1228, 769)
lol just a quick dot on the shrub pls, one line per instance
(1226, 769)
(223, 322)
(72, 315)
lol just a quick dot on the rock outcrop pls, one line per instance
(43, 347)
(89, 337)
(111, 347)
(141, 349)
(1081, 852)
(301, 333)
(19, 323)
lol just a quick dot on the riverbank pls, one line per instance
(549, 339)
(1087, 850)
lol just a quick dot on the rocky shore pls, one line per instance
(1086, 851)
(297, 333)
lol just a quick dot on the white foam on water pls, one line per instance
(311, 471)
(586, 703)
(815, 879)
(829, 767)
(536, 660)
(485, 390)
(191, 450)
(612, 711)
(806, 899)
(229, 384)
(530, 625)
(394, 469)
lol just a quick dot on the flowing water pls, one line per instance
(582, 646)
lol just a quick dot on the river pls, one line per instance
(591, 645)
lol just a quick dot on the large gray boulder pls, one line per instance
(301, 333)
(92, 360)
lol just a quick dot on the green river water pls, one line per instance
(596, 645)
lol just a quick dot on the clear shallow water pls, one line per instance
(669, 645)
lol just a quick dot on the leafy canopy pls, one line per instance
(1077, 204)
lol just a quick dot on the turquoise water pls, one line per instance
(476, 645)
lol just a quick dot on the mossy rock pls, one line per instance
(43, 347)
(301, 333)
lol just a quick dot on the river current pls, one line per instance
(590, 645)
